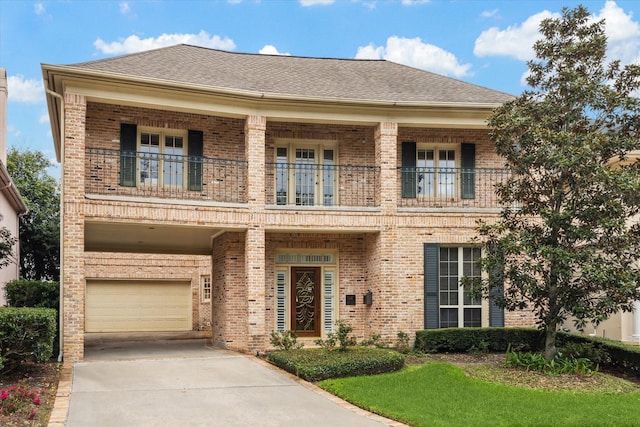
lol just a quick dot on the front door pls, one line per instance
(305, 304)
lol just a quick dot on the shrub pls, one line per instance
(620, 355)
(319, 363)
(403, 342)
(340, 337)
(557, 366)
(26, 334)
(32, 293)
(461, 340)
(586, 350)
(285, 340)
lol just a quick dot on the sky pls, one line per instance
(487, 43)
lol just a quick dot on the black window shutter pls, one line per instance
(431, 279)
(496, 314)
(196, 151)
(408, 170)
(128, 149)
(468, 164)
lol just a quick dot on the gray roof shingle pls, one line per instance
(342, 79)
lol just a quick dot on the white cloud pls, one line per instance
(43, 118)
(412, 2)
(489, 13)
(39, 8)
(416, 53)
(516, 41)
(30, 91)
(271, 50)
(307, 3)
(135, 44)
(124, 8)
(623, 33)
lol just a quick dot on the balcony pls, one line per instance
(307, 184)
(450, 187)
(136, 174)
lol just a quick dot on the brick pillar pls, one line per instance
(382, 246)
(255, 127)
(254, 131)
(386, 143)
(72, 274)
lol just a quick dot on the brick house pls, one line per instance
(240, 194)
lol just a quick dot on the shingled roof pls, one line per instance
(293, 76)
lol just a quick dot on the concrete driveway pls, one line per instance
(186, 383)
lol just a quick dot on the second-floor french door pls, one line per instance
(305, 176)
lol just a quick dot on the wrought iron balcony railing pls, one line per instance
(141, 174)
(306, 184)
(450, 187)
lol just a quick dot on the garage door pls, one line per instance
(139, 306)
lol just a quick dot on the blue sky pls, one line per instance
(481, 42)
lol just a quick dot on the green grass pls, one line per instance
(440, 394)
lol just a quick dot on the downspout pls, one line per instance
(60, 282)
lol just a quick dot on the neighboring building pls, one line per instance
(11, 203)
(241, 194)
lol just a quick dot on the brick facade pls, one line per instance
(377, 249)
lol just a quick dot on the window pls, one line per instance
(436, 173)
(305, 175)
(205, 282)
(440, 171)
(161, 157)
(447, 303)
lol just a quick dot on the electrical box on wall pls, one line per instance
(351, 300)
(368, 298)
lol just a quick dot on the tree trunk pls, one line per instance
(550, 349)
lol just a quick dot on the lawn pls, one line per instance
(441, 394)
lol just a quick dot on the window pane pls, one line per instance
(305, 176)
(149, 160)
(472, 318)
(328, 178)
(282, 174)
(448, 318)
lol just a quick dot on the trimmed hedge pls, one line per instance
(318, 364)
(32, 293)
(26, 334)
(620, 355)
(463, 340)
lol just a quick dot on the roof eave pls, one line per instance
(11, 191)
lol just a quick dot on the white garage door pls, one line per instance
(139, 306)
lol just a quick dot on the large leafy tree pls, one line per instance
(566, 244)
(40, 227)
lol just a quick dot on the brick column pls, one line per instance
(386, 142)
(254, 134)
(386, 296)
(72, 274)
(255, 127)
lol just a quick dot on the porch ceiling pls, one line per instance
(148, 238)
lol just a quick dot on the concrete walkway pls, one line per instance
(186, 383)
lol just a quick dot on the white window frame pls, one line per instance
(437, 175)
(161, 157)
(477, 304)
(319, 148)
(205, 287)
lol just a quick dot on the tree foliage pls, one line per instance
(7, 242)
(40, 227)
(566, 244)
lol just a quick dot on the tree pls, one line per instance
(564, 245)
(7, 241)
(40, 227)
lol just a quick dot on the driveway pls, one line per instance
(186, 383)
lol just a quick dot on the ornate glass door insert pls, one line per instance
(305, 303)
